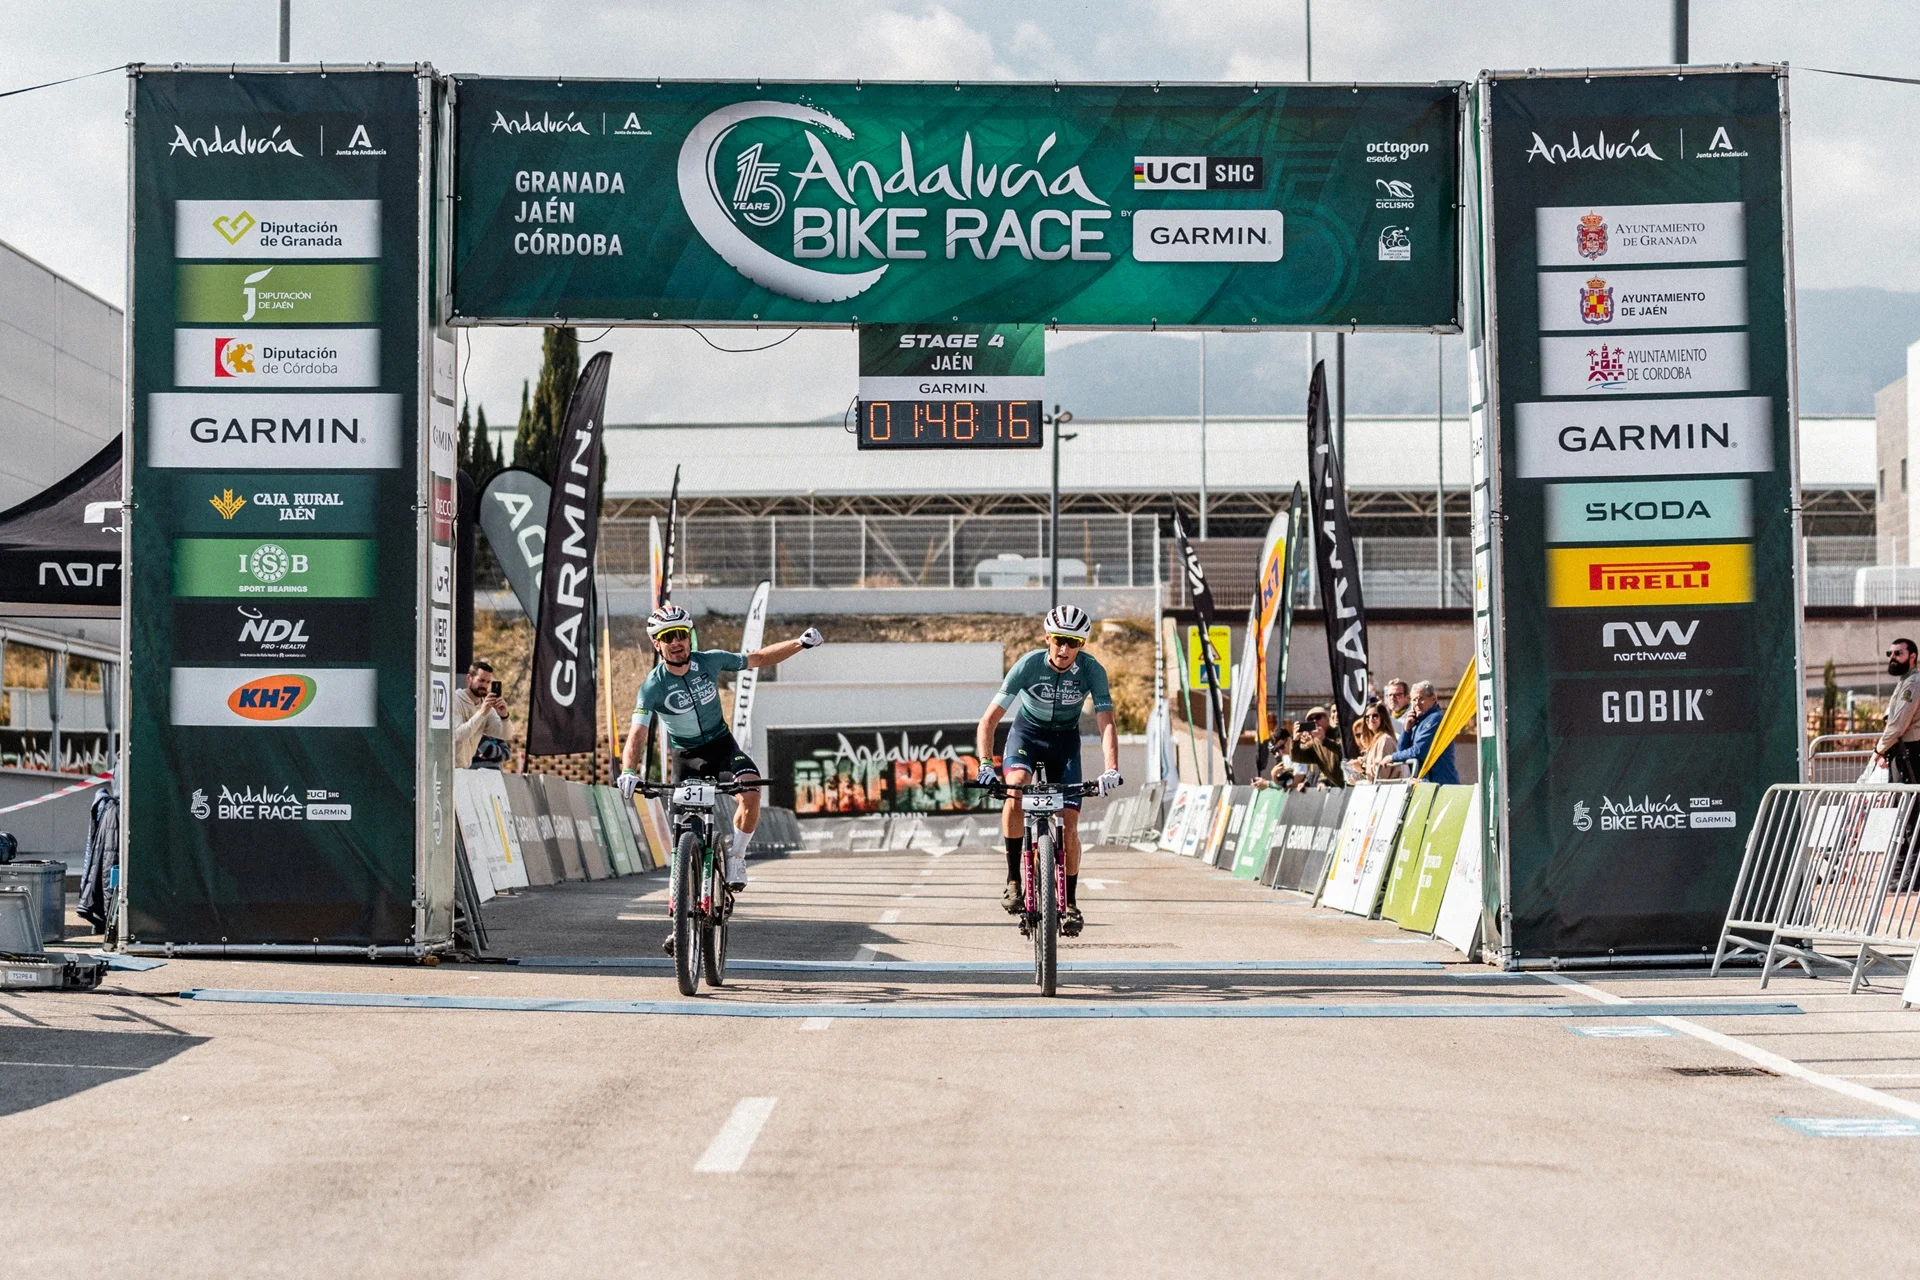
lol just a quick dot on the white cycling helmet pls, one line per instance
(668, 617)
(1068, 620)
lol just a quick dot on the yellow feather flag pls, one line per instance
(1453, 719)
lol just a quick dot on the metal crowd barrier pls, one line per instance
(1839, 757)
(1828, 865)
(1134, 818)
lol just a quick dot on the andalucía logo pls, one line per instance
(1596, 302)
(1591, 236)
(776, 196)
(272, 697)
(242, 144)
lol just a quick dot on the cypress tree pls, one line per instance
(463, 456)
(536, 445)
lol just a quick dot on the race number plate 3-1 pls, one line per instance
(693, 795)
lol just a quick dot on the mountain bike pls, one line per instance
(1043, 866)
(701, 901)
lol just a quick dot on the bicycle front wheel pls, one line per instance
(713, 930)
(686, 902)
(1046, 930)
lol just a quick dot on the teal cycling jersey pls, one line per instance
(1049, 697)
(689, 705)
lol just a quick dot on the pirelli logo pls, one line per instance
(1594, 577)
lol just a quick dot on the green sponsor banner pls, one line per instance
(893, 203)
(1624, 828)
(1404, 872)
(320, 567)
(244, 828)
(1251, 854)
(1446, 824)
(278, 293)
(1650, 511)
(278, 502)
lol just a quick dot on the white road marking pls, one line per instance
(1760, 1057)
(634, 915)
(73, 1066)
(815, 1024)
(890, 916)
(731, 1146)
(1843, 1075)
(864, 955)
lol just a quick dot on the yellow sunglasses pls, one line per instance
(1072, 642)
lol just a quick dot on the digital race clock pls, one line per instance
(951, 387)
(950, 424)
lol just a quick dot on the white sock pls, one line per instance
(740, 839)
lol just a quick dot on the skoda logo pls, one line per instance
(269, 562)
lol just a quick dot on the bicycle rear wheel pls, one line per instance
(686, 900)
(1046, 930)
(713, 929)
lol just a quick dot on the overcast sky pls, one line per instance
(1856, 143)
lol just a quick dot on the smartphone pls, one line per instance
(496, 688)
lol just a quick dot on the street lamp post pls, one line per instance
(1054, 423)
(286, 30)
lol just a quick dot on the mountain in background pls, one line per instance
(1852, 343)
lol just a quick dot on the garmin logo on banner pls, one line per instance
(1657, 707)
(1645, 437)
(296, 431)
(985, 200)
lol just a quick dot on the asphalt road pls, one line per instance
(1169, 1123)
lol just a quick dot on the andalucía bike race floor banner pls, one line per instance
(279, 542)
(642, 201)
(1645, 533)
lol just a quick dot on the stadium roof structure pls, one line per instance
(1123, 464)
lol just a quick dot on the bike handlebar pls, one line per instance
(732, 787)
(1001, 790)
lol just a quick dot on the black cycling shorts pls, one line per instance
(1054, 748)
(712, 758)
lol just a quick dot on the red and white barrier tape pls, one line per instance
(94, 781)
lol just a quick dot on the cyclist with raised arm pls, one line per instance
(1051, 685)
(683, 689)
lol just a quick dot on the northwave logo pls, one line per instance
(241, 144)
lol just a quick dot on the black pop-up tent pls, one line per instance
(60, 549)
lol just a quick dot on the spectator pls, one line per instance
(1899, 745)
(1397, 702)
(1374, 732)
(1311, 747)
(1423, 721)
(479, 720)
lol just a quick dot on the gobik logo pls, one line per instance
(278, 697)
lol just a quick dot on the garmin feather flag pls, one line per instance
(561, 714)
(1346, 615)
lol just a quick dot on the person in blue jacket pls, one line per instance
(1423, 721)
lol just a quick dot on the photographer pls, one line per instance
(1311, 746)
(479, 721)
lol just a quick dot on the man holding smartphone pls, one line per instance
(479, 720)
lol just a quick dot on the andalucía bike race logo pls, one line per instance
(776, 186)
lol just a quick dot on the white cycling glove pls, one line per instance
(627, 782)
(986, 777)
(811, 638)
(1110, 782)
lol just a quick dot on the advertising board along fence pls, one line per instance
(1832, 865)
